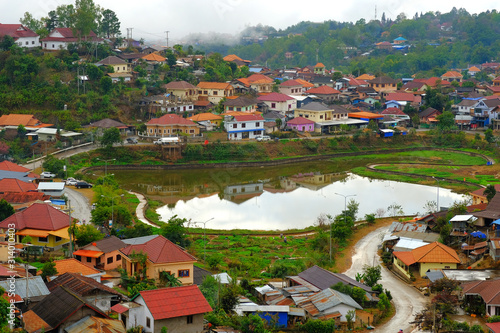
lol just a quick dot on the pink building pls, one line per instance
(301, 124)
(103, 254)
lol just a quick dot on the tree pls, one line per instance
(168, 279)
(175, 231)
(65, 16)
(6, 43)
(26, 241)
(49, 269)
(395, 209)
(352, 209)
(488, 136)
(337, 76)
(86, 234)
(370, 218)
(110, 25)
(252, 323)
(372, 274)
(383, 304)
(21, 131)
(86, 17)
(6, 209)
(229, 298)
(106, 84)
(110, 137)
(30, 22)
(490, 192)
(4, 311)
(446, 121)
(51, 20)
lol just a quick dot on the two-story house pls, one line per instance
(291, 87)
(119, 65)
(103, 254)
(171, 125)
(258, 83)
(23, 36)
(182, 90)
(326, 93)
(241, 104)
(244, 127)
(281, 103)
(162, 256)
(326, 118)
(383, 84)
(481, 111)
(214, 91)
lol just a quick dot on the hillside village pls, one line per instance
(65, 274)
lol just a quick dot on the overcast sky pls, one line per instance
(150, 19)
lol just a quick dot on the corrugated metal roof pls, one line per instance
(94, 324)
(36, 287)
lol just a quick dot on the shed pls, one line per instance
(54, 189)
(277, 314)
(386, 133)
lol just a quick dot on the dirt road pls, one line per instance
(406, 299)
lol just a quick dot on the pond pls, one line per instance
(275, 198)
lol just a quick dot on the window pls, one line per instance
(215, 93)
(231, 108)
(43, 239)
(45, 45)
(235, 125)
(243, 125)
(89, 259)
(33, 42)
(183, 273)
(123, 68)
(205, 92)
(79, 258)
(148, 322)
(58, 239)
(190, 319)
(273, 105)
(53, 46)
(238, 109)
(118, 257)
(257, 124)
(27, 43)
(110, 260)
(191, 131)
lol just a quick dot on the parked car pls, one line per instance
(166, 140)
(71, 181)
(47, 174)
(82, 184)
(263, 138)
(132, 141)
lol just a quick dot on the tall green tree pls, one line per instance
(110, 25)
(49, 269)
(30, 22)
(110, 137)
(175, 231)
(86, 234)
(86, 17)
(490, 192)
(446, 121)
(6, 209)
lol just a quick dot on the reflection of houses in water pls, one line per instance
(315, 180)
(172, 189)
(242, 192)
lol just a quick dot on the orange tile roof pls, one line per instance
(474, 69)
(213, 85)
(323, 90)
(170, 119)
(73, 266)
(363, 114)
(319, 65)
(232, 57)
(19, 119)
(154, 57)
(9, 166)
(365, 77)
(452, 74)
(205, 116)
(305, 84)
(430, 253)
(245, 81)
(16, 185)
(160, 250)
(259, 78)
(33, 323)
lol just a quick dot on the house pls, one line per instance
(237, 60)
(154, 58)
(171, 125)
(490, 214)
(326, 93)
(486, 292)
(328, 304)
(214, 91)
(241, 103)
(301, 124)
(404, 98)
(53, 134)
(15, 185)
(53, 189)
(319, 69)
(399, 40)
(57, 311)
(162, 256)
(12, 121)
(47, 226)
(117, 77)
(274, 315)
(472, 71)
(291, 87)
(451, 76)
(244, 126)
(431, 256)
(396, 113)
(182, 90)
(326, 118)
(88, 289)
(23, 36)
(383, 84)
(118, 65)
(102, 254)
(30, 289)
(106, 123)
(414, 86)
(384, 46)
(495, 249)
(281, 103)
(207, 120)
(483, 111)
(258, 83)
(274, 119)
(61, 38)
(493, 327)
(478, 196)
(428, 116)
(72, 265)
(179, 309)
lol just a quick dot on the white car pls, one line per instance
(71, 181)
(263, 138)
(47, 174)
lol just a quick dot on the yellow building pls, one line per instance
(326, 118)
(383, 84)
(182, 90)
(214, 91)
(162, 256)
(119, 65)
(46, 225)
(171, 125)
(207, 116)
(428, 257)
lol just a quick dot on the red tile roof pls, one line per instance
(68, 36)
(300, 121)
(249, 117)
(175, 302)
(15, 185)
(323, 90)
(400, 97)
(494, 327)
(170, 119)
(160, 250)
(16, 31)
(38, 216)
(9, 166)
(275, 97)
(23, 197)
(393, 111)
(290, 83)
(489, 290)
(205, 116)
(179, 85)
(480, 192)
(118, 308)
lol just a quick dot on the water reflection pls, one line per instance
(280, 203)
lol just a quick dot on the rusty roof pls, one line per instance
(80, 285)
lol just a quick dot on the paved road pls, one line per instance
(407, 300)
(80, 206)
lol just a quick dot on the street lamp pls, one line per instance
(437, 203)
(204, 239)
(345, 217)
(112, 206)
(106, 165)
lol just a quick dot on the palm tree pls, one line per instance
(169, 280)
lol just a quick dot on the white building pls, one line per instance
(23, 36)
(244, 127)
(60, 38)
